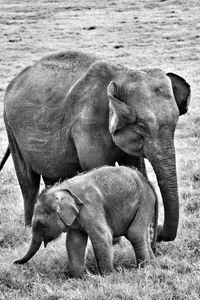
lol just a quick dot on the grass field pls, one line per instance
(138, 34)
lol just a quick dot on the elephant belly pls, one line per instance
(53, 166)
(119, 225)
(121, 212)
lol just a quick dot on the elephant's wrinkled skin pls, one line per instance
(72, 112)
(102, 204)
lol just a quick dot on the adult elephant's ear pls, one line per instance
(181, 90)
(120, 114)
(69, 206)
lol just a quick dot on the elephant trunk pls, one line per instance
(164, 164)
(34, 247)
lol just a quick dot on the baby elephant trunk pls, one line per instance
(34, 247)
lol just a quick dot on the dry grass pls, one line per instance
(138, 34)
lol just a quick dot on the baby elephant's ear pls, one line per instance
(69, 206)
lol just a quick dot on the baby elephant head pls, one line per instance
(55, 211)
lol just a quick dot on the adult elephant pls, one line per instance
(72, 112)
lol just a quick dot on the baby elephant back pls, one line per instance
(117, 180)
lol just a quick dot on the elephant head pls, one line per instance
(143, 113)
(53, 213)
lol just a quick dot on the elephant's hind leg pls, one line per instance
(29, 180)
(137, 235)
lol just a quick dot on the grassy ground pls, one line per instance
(164, 34)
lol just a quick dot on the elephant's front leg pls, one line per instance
(101, 239)
(91, 149)
(76, 245)
(28, 179)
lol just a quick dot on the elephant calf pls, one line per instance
(102, 204)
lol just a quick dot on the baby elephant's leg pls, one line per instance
(101, 239)
(76, 245)
(137, 234)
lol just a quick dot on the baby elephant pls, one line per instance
(102, 204)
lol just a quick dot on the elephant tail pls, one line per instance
(4, 159)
